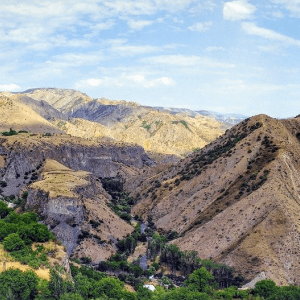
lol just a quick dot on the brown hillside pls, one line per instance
(237, 201)
(155, 131)
(74, 204)
(62, 99)
(19, 116)
(158, 132)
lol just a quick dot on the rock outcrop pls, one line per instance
(22, 155)
(74, 205)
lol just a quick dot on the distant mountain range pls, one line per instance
(229, 119)
(160, 131)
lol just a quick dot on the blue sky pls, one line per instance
(228, 56)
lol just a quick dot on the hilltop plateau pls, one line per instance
(236, 201)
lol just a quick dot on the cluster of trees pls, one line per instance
(129, 243)
(13, 132)
(87, 283)
(10, 132)
(18, 201)
(19, 231)
(187, 262)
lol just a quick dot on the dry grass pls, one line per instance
(59, 180)
(16, 115)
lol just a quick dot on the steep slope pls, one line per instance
(74, 204)
(61, 174)
(237, 201)
(16, 113)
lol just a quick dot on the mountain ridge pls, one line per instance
(235, 201)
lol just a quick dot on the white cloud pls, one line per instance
(252, 29)
(10, 87)
(138, 24)
(270, 48)
(214, 48)
(201, 26)
(125, 80)
(291, 5)
(186, 61)
(277, 14)
(127, 50)
(238, 10)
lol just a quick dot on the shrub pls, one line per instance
(13, 242)
(265, 288)
(10, 132)
(15, 284)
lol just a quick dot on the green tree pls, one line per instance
(264, 288)
(13, 242)
(110, 287)
(15, 284)
(71, 296)
(56, 285)
(4, 210)
(199, 280)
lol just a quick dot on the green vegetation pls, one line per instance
(146, 126)
(19, 202)
(121, 202)
(10, 132)
(184, 123)
(19, 231)
(90, 284)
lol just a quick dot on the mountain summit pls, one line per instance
(236, 201)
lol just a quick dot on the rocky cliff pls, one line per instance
(237, 201)
(22, 155)
(74, 205)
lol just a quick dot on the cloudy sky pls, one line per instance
(228, 56)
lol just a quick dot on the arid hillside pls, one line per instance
(74, 204)
(236, 201)
(155, 131)
(162, 132)
(62, 99)
(20, 114)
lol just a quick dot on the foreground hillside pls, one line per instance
(237, 201)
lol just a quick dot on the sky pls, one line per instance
(240, 56)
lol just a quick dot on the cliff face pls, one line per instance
(237, 201)
(25, 153)
(74, 205)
